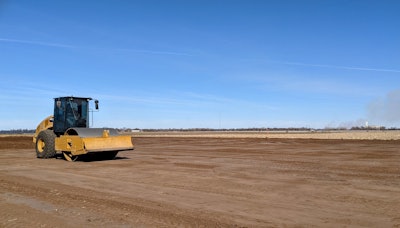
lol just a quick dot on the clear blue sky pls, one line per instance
(184, 64)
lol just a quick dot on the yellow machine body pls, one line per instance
(78, 145)
(47, 123)
(77, 140)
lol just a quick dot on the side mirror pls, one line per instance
(96, 104)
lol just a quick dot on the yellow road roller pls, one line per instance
(68, 132)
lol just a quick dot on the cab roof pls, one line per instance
(72, 97)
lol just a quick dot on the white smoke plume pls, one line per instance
(386, 109)
(346, 124)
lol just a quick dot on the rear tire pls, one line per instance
(45, 144)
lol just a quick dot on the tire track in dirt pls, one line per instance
(99, 208)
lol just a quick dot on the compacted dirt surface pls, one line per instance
(206, 182)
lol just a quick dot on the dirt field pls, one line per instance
(206, 182)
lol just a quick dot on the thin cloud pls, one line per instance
(48, 44)
(339, 67)
(36, 43)
(306, 85)
(185, 99)
(142, 51)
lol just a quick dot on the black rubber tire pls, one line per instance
(45, 144)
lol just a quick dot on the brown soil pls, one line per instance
(206, 182)
(342, 135)
(16, 142)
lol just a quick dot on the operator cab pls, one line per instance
(71, 112)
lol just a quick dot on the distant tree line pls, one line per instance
(253, 129)
(370, 128)
(224, 129)
(379, 128)
(362, 128)
(17, 131)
